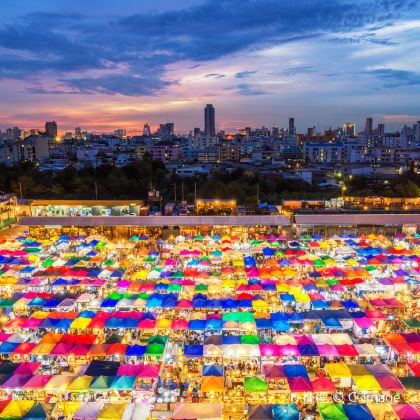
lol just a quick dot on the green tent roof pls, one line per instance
(255, 384)
(37, 412)
(412, 323)
(101, 382)
(411, 383)
(250, 339)
(48, 263)
(154, 349)
(332, 411)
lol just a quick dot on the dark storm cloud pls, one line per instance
(396, 78)
(215, 75)
(137, 48)
(245, 74)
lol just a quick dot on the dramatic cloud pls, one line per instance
(244, 74)
(141, 44)
(91, 61)
(396, 78)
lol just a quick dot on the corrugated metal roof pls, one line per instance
(268, 220)
(357, 219)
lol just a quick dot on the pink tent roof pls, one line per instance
(129, 370)
(184, 303)
(364, 322)
(269, 350)
(149, 371)
(415, 368)
(147, 324)
(406, 411)
(323, 384)
(299, 384)
(180, 324)
(37, 382)
(32, 323)
(375, 314)
(302, 340)
(327, 350)
(4, 336)
(27, 367)
(288, 350)
(346, 350)
(390, 383)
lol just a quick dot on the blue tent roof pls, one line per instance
(197, 324)
(135, 350)
(285, 412)
(213, 324)
(263, 323)
(212, 370)
(7, 347)
(350, 304)
(331, 323)
(358, 412)
(193, 350)
(308, 350)
(231, 339)
(295, 371)
(268, 252)
(281, 325)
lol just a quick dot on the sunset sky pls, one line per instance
(105, 64)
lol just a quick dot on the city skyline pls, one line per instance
(258, 63)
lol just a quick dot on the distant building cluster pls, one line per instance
(308, 156)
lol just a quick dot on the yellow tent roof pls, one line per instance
(58, 383)
(80, 323)
(112, 411)
(80, 383)
(338, 370)
(40, 315)
(163, 323)
(259, 304)
(212, 384)
(67, 408)
(16, 409)
(301, 297)
(366, 383)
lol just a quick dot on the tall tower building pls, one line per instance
(146, 130)
(292, 128)
(381, 130)
(369, 125)
(209, 120)
(51, 129)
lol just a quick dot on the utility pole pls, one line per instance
(182, 190)
(195, 191)
(20, 190)
(258, 193)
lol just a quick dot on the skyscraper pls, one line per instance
(209, 120)
(51, 129)
(146, 129)
(292, 128)
(167, 129)
(369, 125)
(381, 130)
